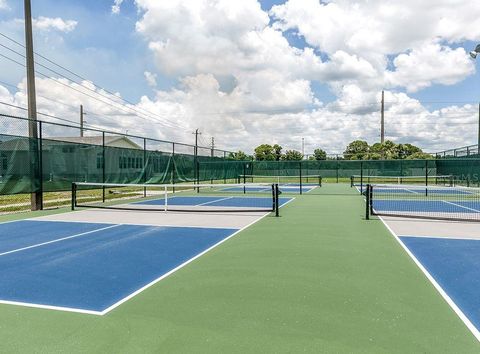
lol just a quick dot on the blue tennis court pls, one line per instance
(442, 206)
(90, 267)
(455, 265)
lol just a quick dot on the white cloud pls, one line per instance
(430, 64)
(3, 5)
(151, 78)
(373, 30)
(199, 103)
(116, 6)
(58, 24)
(356, 50)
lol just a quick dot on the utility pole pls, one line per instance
(213, 146)
(196, 133)
(382, 121)
(36, 197)
(82, 114)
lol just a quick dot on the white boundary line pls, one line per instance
(49, 307)
(213, 201)
(437, 286)
(118, 303)
(461, 206)
(57, 240)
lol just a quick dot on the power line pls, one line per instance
(139, 110)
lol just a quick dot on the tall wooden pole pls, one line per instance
(36, 196)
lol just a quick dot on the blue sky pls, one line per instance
(109, 50)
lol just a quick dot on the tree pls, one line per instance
(319, 154)
(292, 155)
(387, 150)
(240, 155)
(277, 151)
(420, 155)
(356, 150)
(407, 150)
(264, 152)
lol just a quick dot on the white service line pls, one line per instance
(57, 240)
(411, 191)
(178, 267)
(461, 206)
(213, 201)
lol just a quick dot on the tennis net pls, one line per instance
(424, 202)
(362, 180)
(178, 197)
(287, 184)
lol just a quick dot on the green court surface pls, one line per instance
(318, 279)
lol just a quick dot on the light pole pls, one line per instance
(473, 54)
(303, 147)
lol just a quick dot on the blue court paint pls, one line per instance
(426, 206)
(455, 265)
(283, 189)
(95, 271)
(19, 234)
(220, 201)
(418, 190)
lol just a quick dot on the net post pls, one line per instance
(74, 195)
(320, 181)
(367, 202)
(361, 177)
(300, 170)
(277, 213)
(244, 179)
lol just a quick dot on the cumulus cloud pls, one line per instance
(430, 64)
(374, 30)
(151, 78)
(3, 5)
(58, 24)
(353, 50)
(116, 6)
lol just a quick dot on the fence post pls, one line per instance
(103, 166)
(144, 166)
(426, 177)
(74, 195)
(40, 162)
(337, 165)
(173, 167)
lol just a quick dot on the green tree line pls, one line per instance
(356, 150)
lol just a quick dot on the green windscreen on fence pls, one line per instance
(60, 156)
